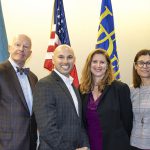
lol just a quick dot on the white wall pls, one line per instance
(33, 17)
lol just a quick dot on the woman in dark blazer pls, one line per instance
(107, 108)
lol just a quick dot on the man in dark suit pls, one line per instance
(57, 106)
(18, 129)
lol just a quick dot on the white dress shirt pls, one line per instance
(68, 82)
(25, 85)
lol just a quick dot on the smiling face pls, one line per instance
(63, 59)
(98, 66)
(20, 50)
(142, 66)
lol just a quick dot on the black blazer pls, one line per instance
(115, 114)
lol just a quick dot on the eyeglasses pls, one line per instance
(141, 64)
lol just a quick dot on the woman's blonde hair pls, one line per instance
(86, 84)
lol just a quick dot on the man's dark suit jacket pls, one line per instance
(115, 115)
(18, 129)
(59, 125)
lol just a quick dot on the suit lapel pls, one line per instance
(32, 84)
(79, 100)
(85, 98)
(106, 89)
(65, 89)
(15, 81)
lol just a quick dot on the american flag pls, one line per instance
(59, 35)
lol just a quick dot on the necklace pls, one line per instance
(144, 96)
(140, 103)
(96, 94)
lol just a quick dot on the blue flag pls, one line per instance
(106, 35)
(3, 38)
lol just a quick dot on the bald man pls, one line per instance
(18, 130)
(57, 106)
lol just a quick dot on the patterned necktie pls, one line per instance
(23, 70)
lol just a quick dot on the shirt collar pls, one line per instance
(13, 63)
(64, 78)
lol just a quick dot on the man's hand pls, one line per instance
(82, 148)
